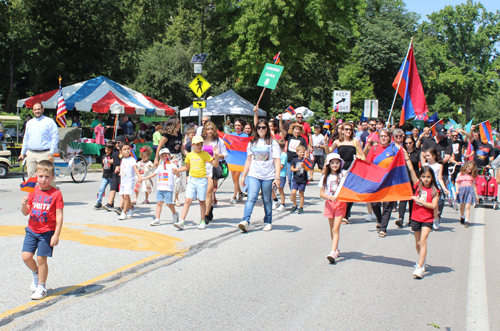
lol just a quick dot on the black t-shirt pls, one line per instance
(107, 169)
(482, 153)
(363, 137)
(457, 148)
(293, 142)
(415, 160)
(174, 143)
(300, 177)
(116, 160)
(443, 148)
(188, 146)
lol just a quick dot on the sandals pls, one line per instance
(177, 203)
(399, 223)
(382, 234)
(345, 221)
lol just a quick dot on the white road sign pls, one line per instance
(371, 108)
(342, 99)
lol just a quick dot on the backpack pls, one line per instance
(221, 171)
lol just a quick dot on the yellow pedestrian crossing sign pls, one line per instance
(199, 104)
(199, 86)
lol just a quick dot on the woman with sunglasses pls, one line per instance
(414, 155)
(262, 169)
(348, 148)
(211, 140)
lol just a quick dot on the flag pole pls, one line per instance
(263, 90)
(397, 89)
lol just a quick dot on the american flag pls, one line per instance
(61, 108)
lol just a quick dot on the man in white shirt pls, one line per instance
(199, 130)
(318, 143)
(41, 140)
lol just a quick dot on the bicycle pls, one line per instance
(452, 191)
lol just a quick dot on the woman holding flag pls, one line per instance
(262, 168)
(348, 148)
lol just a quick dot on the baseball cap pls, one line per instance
(197, 140)
(120, 138)
(164, 151)
(440, 130)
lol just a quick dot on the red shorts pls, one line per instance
(335, 208)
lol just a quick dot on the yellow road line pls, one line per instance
(75, 287)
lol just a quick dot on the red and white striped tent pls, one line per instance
(101, 95)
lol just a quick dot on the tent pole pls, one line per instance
(17, 126)
(116, 126)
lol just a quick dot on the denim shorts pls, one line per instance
(299, 187)
(282, 182)
(38, 241)
(164, 196)
(197, 188)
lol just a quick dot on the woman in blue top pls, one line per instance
(239, 124)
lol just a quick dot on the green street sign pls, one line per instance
(150, 119)
(270, 76)
(418, 124)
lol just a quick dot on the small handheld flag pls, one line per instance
(485, 132)
(276, 58)
(307, 164)
(29, 184)
(290, 110)
(61, 108)
(336, 109)
(327, 124)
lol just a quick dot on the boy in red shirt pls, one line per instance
(45, 207)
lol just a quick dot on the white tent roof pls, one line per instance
(227, 103)
(303, 110)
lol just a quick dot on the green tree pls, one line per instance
(460, 58)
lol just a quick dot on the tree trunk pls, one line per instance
(11, 81)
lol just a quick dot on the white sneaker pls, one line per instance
(202, 225)
(33, 287)
(179, 225)
(280, 208)
(418, 273)
(243, 226)
(175, 218)
(156, 222)
(268, 227)
(39, 294)
(276, 205)
(435, 224)
(130, 212)
(423, 268)
(368, 218)
(122, 217)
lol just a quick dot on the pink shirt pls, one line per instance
(99, 135)
(465, 180)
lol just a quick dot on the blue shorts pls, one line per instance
(38, 241)
(197, 188)
(282, 182)
(164, 196)
(298, 187)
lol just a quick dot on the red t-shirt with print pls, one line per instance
(420, 213)
(43, 209)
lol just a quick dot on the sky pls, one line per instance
(426, 7)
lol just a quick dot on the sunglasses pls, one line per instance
(409, 142)
(347, 129)
(398, 136)
(261, 127)
(454, 136)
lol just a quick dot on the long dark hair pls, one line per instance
(171, 126)
(409, 136)
(434, 153)
(276, 125)
(328, 171)
(433, 181)
(267, 137)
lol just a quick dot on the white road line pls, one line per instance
(477, 299)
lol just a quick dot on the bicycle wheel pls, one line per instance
(79, 169)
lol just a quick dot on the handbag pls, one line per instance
(221, 171)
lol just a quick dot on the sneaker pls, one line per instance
(399, 223)
(300, 211)
(435, 224)
(368, 218)
(122, 216)
(276, 204)
(233, 201)
(130, 213)
(294, 209)
(98, 205)
(466, 224)
(175, 218)
(423, 268)
(462, 220)
(145, 202)
(108, 207)
(418, 273)
(331, 257)
(202, 225)
(240, 196)
(268, 227)
(156, 222)
(243, 226)
(179, 225)
(336, 254)
(40, 293)
(280, 208)
(33, 287)
(117, 210)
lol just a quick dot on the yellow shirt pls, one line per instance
(197, 163)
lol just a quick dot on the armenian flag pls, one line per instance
(307, 164)
(276, 58)
(485, 132)
(29, 185)
(433, 127)
(336, 109)
(385, 158)
(368, 182)
(327, 124)
(410, 89)
(290, 110)
(469, 152)
(236, 151)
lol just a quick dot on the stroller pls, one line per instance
(487, 188)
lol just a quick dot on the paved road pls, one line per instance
(110, 274)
